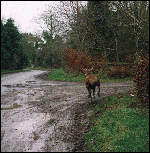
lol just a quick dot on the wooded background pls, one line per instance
(117, 29)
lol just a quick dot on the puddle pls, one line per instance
(8, 86)
(33, 123)
(45, 85)
(19, 85)
(29, 84)
(13, 107)
(29, 81)
(16, 85)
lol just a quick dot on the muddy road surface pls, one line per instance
(39, 115)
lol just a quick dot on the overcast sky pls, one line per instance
(23, 12)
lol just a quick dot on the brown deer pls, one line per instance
(91, 81)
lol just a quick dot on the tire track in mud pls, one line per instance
(55, 114)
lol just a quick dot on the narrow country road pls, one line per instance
(39, 115)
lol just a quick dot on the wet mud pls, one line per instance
(40, 115)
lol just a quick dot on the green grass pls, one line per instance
(11, 71)
(39, 68)
(118, 127)
(61, 75)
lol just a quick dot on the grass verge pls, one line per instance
(11, 71)
(61, 75)
(118, 126)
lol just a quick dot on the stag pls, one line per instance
(91, 81)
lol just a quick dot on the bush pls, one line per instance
(120, 71)
(76, 60)
(142, 79)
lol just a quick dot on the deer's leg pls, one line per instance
(89, 90)
(94, 92)
(99, 90)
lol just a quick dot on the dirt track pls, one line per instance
(42, 115)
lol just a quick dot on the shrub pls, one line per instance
(142, 79)
(76, 60)
(120, 71)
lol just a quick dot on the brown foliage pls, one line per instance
(142, 79)
(77, 60)
(120, 71)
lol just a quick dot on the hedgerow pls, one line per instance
(142, 79)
